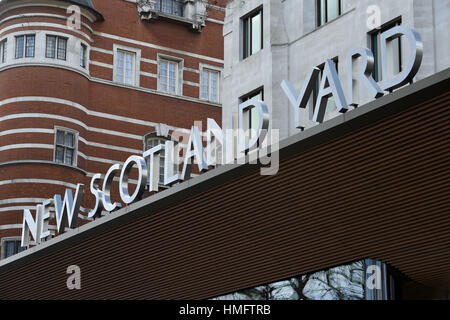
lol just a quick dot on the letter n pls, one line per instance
(30, 225)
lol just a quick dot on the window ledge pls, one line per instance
(194, 13)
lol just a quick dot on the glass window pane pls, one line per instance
(377, 56)
(59, 156)
(213, 95)
(340, 283)
(19, 46)
(396, 55)
(120, 66)
(204, 92)
(50, 47)
(246, 36)
(69, 156)
(62, 48)
(19, 247)
(83, 56)
(254, 119)
(60, 137)
(332, 9)
(322, 12)
(4, 50)
(205, 77)
(10, 249)
(129, 68)
(69, 139)
(29, 50)
(256, 33)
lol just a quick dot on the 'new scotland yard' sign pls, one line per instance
(66, 211)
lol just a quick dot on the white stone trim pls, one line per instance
(26, 146)
(101, 64)
(153, 46)
(43, 24)
(10, 226)
(44, 15)
(151, 61)
(42, 181)
(54, 4)
(85, 110)
(25, 130)
(102, 50)
(189, 83)
(153, 91)
(72, 61)
(150, 75)
(191, 70)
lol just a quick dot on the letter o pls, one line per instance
(142, 179)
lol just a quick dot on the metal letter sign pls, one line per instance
(142, 179)
(414, 60)
(68, 210)
(365, 74)
(330, 86)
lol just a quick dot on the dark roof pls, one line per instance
(87, 4)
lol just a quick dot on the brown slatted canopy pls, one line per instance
(371, 183)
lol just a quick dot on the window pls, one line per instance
(152, 141)
(395, 46)
(168, 76)
(10, 247)
(253, 119)
(345, 282)
(209, 85)
(252, 34)
(56, 47)
(65, 147)
(83, 55)
(3, 51)
(125, 67)
(25, 46)
(174, 7)
(328, 10)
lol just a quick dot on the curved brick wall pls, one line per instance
(39, 94)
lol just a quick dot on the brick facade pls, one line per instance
(111, 118)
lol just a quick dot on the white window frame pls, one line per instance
(210, 68)
(3, 245)
(3, 50)
(136, 65)
(155, 136)
(24, 50)
(83, 55)
(58, 38)
(75, 152)
(179, 73)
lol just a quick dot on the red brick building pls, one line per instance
(80, 95)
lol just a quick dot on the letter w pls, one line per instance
(68, 210)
